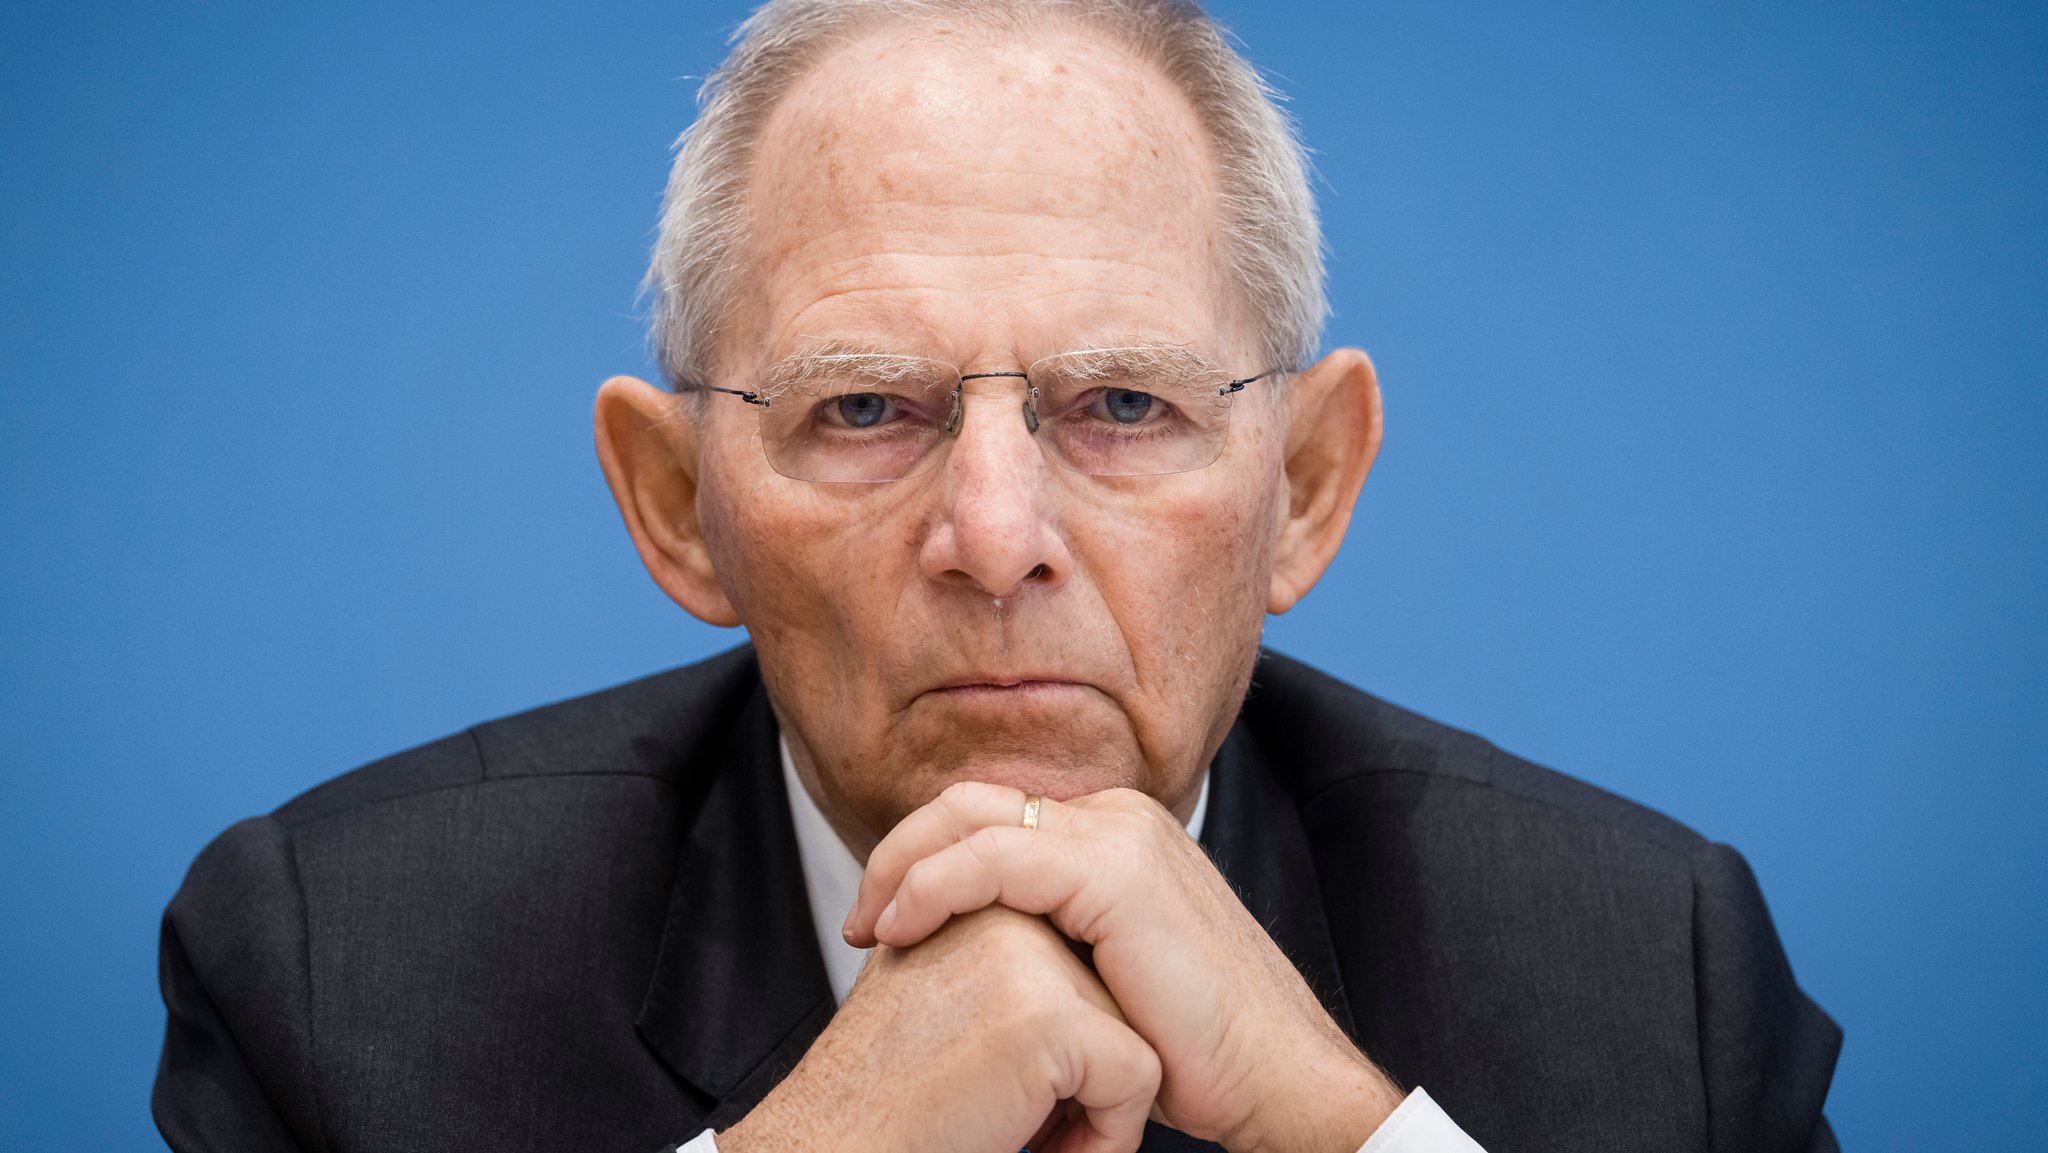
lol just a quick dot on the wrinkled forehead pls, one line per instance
(974, 194)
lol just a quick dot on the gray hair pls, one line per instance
(1271, 240)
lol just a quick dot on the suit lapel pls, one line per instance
(1255, 836)
(739, 990)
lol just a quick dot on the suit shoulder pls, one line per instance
(643, 728)
(1323, 733)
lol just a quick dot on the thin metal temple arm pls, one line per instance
(1238, 385)
(749, 397)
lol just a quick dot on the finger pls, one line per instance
(963, 809)
(1053, 1121)
(1063, 1112)
(1114, 1078)
(1019, 868)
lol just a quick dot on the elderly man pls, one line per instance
(997, 426)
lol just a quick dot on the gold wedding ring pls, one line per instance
(1031, 810)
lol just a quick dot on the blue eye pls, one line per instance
(1127, 406)
(863, 409)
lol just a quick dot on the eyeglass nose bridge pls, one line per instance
(1030, 398)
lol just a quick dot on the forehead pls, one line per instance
(970, 194)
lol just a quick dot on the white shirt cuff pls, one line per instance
(1419, 1125)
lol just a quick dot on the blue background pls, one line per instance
(1712, 337)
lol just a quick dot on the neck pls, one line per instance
(854, 834)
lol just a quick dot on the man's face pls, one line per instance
(999, 617)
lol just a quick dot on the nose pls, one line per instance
(993, 531)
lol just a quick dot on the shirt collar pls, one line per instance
(832, 872)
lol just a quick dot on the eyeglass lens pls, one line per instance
(873, 419)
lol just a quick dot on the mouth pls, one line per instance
(1006, 687)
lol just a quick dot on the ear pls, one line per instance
(1333, 437)
(648, 447)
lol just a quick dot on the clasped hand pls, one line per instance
(976, 1026)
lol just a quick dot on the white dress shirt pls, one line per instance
(832, 880)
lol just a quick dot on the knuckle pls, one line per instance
(1150, 1070)
(985, 846)
(914, 888)
(1129, 813)
(958, 797)
(1127, 800)
(924, 881)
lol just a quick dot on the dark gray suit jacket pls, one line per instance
(584, 928)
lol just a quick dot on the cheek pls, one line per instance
(1185, 565)
(789, 556)
(743, 518)
(1225, 533)
(1206, 550)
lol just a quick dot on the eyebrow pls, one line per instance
(841, 358)
(1137, 359)
(863, 361)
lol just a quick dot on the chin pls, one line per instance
(1059, 782)
(1059, 742)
